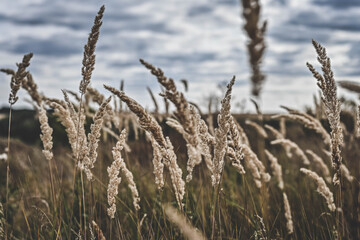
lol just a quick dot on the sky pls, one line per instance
(201, 41)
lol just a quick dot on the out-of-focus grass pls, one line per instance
(32, 214)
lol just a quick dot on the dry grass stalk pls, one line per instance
(60, 102)
(65, 118)
(98, 231)
(185, 83)
(74, 94)
(243, 137)
(221, 135)
(154, 100)
(357, 123)
(206, 144)
(17, 77)
(274, 132)
(194, 154)
(99, 98)
(95, 95)
(327, 85)
(283, 127)
(189, 231)
(234, 150)
(81, 142)
(135, 126)
(8, 71)
(30, 86)
(236, 158)
(308, 121)
(286, 143)
(182, 112)
(131, 183)
(289, 222)
(321, 188)
(260, 130)
(344, 170)
(185, 115)
(194, 143)
(87, 162)
(319, 106)
(320, 165)
(169, 157)
(148, 123)
(276, 168)
(346, 173)
(171, 92)
(46, 136)
(89, 51)
(258, 110)
(70, 107)
(255, 166)
(167, 106)
(157, 162)
(210, 119)
(113, 172)
(260, 233)
(2, 222)
(116, 136)
(128, 175)
(350, 85)
(256, 44)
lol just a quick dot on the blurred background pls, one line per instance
(201, 41)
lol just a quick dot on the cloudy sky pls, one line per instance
(201, 41)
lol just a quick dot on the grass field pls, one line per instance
(93, 166)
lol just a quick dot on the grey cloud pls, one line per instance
(57, 46)
(338, 4)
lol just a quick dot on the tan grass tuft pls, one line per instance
(256, 44)
(221, 135)
(156, 110)
(18, 77)
(255, 166)
(65, 118)
(30, 86)
(289, 221)
(157, 162)
(148, 123)
(87, 163)
(276, 168)
(277, 134)
(2, 222)
(98, 231)
(307, 120)
(89, 51)
(234, 150)
(320, 165)
(113, 172)
(350, 85)
(189, 231)
(327, 85)
(346, 173)
(286, 143)
(259, 129)
(185, 114)
(321, 188)
(46, 136)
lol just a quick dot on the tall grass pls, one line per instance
(227, 192)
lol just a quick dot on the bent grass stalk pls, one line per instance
(15, 85)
